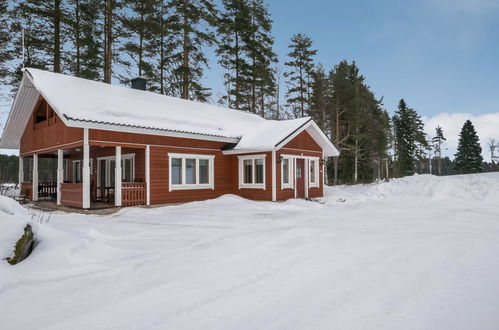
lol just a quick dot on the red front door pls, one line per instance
(300, 178)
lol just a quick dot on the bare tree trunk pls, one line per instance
(335, 180)
(77, 38)
(185, 56)
(57, 35)
(356, 162)
(108, 51)
(387, 172)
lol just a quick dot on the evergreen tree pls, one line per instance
(139, 24)
(235, 26)
(262, 57)
(408, 132)
(160, 79)
(42, 21)
(6, 54)
(196, 20)
(35, 51)
(300, 67)
(468, 158)
(87, 49)
(320, 100)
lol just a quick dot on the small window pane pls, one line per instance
(298, 170)
(127, 170)
(204, 171)
(259, 171)
(248, 170)
(312, 171)
(176, 170)
(285, 170)
(190, 171)
(112, 172)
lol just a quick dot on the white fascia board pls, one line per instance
(19, 115)
(245, 151)
(148, 131)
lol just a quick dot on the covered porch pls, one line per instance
(87, 176)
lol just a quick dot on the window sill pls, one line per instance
(313, 185)
(286, 186)
(252, 186)
(191, 187)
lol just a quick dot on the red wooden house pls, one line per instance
(126, 146)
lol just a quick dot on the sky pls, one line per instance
(441, 56)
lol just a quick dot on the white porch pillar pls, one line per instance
(86, 170)
(21, 171)
(148, 175)
(274, 184)
(117, 178)
(60, 173)
(35, 178)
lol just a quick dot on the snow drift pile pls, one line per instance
(482, 187)
(13, 218)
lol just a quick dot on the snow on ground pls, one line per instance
(415, 253)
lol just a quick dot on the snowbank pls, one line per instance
(384, 262)
(13, 218)
(482, 187)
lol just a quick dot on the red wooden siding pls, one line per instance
(72, 194)
(52, 134)
(49, 134)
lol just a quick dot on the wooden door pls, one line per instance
(300, 178)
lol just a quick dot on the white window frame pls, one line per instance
(291, 177)
(108, 168)
(197, 185)
(315, 183)
(75, 173)
(66, 170)
(243, 185)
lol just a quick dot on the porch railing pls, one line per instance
(47, 189)
(72, 194)
(133, 193)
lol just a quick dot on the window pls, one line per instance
(189, 171)
(76, 171)
(313, 176)
(65, 165)
(106, 170)
(252, 171)
(286, 172)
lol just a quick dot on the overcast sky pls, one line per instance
(441, 56)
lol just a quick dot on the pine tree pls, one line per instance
(408, 132)
(6, 53)
(139, 24)
(87, 49)
(42, 21)
(468, 158)
(160, 79)
(109, 26)
(300, 67)
(321, 98)
(234, 29)
(196, 21)
(438, 140)
(262, 57)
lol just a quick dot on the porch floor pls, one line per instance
(95, 207)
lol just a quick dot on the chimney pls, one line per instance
(139, 83)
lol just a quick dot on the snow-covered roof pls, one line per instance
(86, 103)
